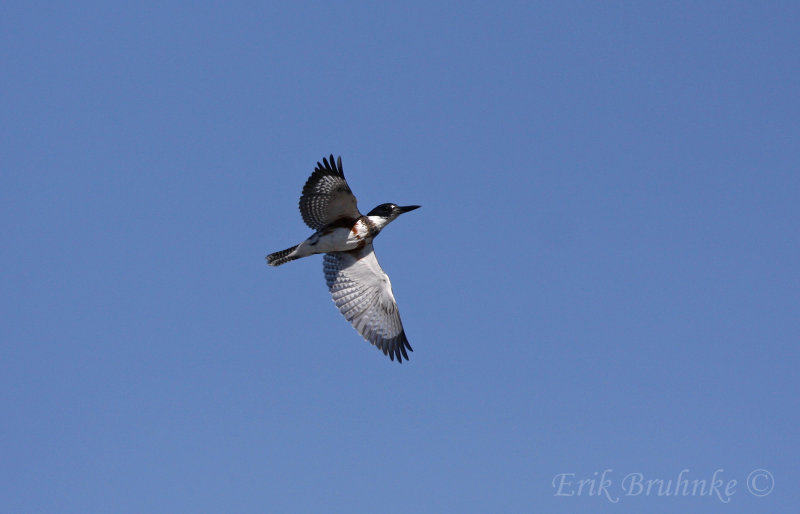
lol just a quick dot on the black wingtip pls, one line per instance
(331, 164)
(399, 349)
(336, 165)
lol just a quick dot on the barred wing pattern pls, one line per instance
(363, 293)
(327, 197)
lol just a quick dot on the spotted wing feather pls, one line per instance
(326, 196)
(363, 293)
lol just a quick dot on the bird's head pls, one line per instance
(385, 213)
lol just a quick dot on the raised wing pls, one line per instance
(327, 197)
(363, 293)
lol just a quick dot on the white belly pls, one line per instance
(333, 240)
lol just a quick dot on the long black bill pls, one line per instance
(408, 208)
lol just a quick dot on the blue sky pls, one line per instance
(603, 274)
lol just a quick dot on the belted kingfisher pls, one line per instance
(360, 288)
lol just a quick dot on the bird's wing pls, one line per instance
(326, 196)
(363, 293)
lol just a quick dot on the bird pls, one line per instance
(358, 285)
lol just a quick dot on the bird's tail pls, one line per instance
(282, 257)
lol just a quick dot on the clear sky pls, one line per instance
(603, 276)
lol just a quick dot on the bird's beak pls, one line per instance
(408, 208)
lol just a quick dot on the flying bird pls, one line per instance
(359, 286)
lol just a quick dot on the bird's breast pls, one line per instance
(362, 228)
(341, 238)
